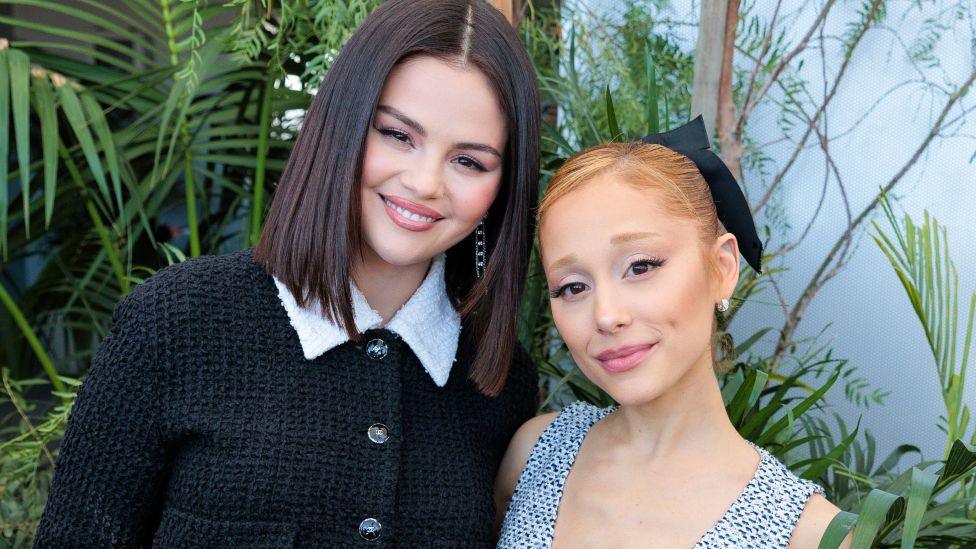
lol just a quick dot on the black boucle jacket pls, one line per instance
(201, 424)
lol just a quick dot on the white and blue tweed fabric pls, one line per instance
(763, 516)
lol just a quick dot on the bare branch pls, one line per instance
(829, 165)
(825, 272)
(823, 107)
(767, 40)
(783, 63)
(780, 296)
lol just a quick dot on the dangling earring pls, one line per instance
(724, 305)
(479, 248)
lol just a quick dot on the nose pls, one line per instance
(611, 313)
(425, 176)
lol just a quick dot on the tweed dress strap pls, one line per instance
(763, 515)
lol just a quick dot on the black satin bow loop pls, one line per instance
(691, 140)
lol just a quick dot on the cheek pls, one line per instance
(675, 301)
(574, 326)
(471, 199)
(378, 165)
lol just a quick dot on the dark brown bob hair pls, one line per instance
(314, 223)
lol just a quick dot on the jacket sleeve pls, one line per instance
(110, 471)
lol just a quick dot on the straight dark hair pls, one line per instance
(314, 224)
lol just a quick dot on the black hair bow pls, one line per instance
(691, 140)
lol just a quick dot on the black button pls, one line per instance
(369, 529)
(376, 349)
(378, 433)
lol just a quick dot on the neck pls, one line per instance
(385, 286)
(689, 419)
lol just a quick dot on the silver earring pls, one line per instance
(724, 306)
(479, 248)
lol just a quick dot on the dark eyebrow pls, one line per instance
(420, 129)
(403, 118)
(479, 147)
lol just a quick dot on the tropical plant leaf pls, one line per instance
(18, 67)
(4, 145)
(877, 507)
(837, 530)
(919, 493)
(612, 116)
(44, 104)
(819, 465)
(747, 395)
(652, 118)
(74, 113)
(961, 461)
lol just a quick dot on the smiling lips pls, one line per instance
(623, 358)
(410, 215)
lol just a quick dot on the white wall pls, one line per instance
(867, 316)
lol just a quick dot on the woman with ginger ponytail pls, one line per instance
(640, 243)
(354, 379)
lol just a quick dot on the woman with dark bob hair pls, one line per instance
(355, 378)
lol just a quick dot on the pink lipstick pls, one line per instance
(410, 215)
(622, 359)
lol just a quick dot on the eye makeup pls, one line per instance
(637, 267)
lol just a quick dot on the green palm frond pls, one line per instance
(919, 255)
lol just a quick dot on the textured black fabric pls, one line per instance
(201, 424)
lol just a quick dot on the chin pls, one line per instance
(401, 253)
(634, 396)
(399, 246)
(633, 388)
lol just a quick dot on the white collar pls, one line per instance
(427, 322)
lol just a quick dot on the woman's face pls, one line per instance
(433, 160)
(629, 288)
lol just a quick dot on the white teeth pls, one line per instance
(409, 214)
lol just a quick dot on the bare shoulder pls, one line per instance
(517, 455)
(813, 521)
(520, 447)
(532, 429)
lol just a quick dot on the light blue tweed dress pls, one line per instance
(763, 516)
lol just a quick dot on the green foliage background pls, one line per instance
(189, 119)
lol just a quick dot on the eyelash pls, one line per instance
(651, 261)
(395, 134)
(398, 135)
(475, 165)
